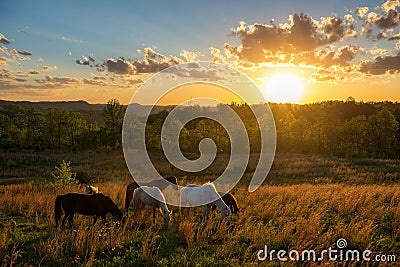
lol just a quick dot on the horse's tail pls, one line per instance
(128, 196)
(57, 209)
(233, 203)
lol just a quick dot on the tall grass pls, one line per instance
(287, 217)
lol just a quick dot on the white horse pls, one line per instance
(91, 190)
(193, 195)
(141, 198)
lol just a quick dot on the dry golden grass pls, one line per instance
(283, 217)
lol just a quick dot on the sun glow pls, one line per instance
(283, 87)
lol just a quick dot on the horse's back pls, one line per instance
(141, 194)
(84, 204)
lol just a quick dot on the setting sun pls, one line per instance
(283, 87)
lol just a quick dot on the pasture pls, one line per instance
(307, 202)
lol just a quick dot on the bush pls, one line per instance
(64, 176)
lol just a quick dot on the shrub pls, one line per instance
(64, 176)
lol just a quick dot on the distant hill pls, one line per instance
(82, 106)
(68, 105)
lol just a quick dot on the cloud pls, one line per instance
(394, 37)
(4, 40)
(58, 82)
(385, 21)
(319, 77)
(5, 73)
(27, 73)
(269, 42)
(20, 52)
(86, 60)
(334, 29)
(377, 51)
(189, 56)
(95, 81)
(152, 62)
(48, 68)
(326, 58)
(194, 70)
(361, 12)
(119, 66)
(3, 61)
(389, 21)
(381, 65)
(390, 5)
(72, 40)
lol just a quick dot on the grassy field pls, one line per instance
(307, 202)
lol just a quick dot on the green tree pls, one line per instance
(30, 121)
(384, 127)
(113, 116)
(55, 127)
(353, 137)
(76, 125)
(8, 131)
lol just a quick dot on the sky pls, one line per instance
(294, 51)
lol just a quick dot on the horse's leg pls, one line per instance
(66, 215)
(154, 215)
(205, 212)
(71, 220)
(213, 207)
(103, 218)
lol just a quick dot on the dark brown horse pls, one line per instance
(97, 204)
(230, 201)
(161, 184)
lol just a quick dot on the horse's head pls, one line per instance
(90, 190)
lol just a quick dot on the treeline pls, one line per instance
(340, 128)
(59, 129)
(345, 129)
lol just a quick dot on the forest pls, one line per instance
(339, 128)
